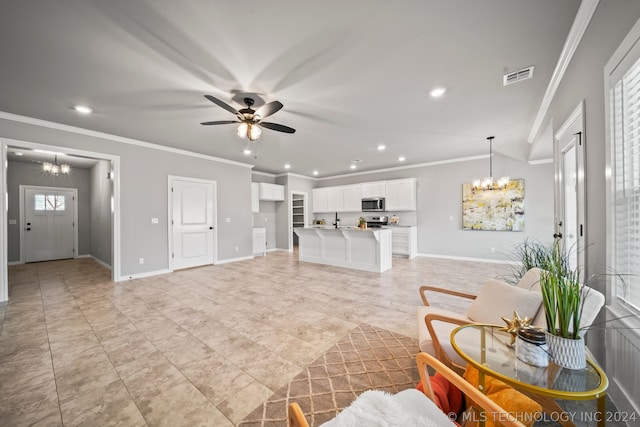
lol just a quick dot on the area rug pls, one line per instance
(366, 358)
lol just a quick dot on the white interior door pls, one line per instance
(193, 222)
(48, 224)
(570, 195)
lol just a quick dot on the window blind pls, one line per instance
(625, 121)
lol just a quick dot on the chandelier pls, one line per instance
(55, 169)
(488, 183)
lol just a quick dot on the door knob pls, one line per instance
(210, 228)
(28, 228)
(557, 235)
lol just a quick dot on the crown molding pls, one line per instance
(583, 17)
(418, 165)
(130, 141)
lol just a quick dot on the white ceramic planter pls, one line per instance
(567, 352)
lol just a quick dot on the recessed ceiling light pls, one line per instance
(247, 151)
(315, 172)
(401, 159)
(287, 166)
(439, 91)
(83, 109)
(381, 147)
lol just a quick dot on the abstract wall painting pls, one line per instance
(494, 210)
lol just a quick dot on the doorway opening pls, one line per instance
(297, 216)
(107, 181)
(570, 207)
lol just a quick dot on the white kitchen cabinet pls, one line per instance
(255, 197)
(373, 189)
(272, 192)
(320, 200)
(401, 195)
(352, 198)
(335, 199)
(259, 241)
(404, 241)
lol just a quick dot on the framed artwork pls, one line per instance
(495, 209)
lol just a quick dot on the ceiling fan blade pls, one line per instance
(268, 109)
(279, 128)
(222, 104)
(220, 122)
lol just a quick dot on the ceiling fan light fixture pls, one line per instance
(250, 131)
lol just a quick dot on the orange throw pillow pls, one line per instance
(446, 396)
(523, 408)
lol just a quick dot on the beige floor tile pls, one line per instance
(216, 377)
(148, 376)
(25, 374)
(182, 405)
(110, 405)
(244, 401)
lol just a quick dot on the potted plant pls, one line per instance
(362, 223)
(563, 301)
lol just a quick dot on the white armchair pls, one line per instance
(497, 299)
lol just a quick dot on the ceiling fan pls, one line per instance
(250, 120)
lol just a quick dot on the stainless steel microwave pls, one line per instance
(373, 204)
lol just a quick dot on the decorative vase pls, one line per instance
(567, 352)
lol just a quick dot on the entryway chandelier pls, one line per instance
(55, 169)
(488, 183)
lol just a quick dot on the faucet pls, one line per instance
(337, 221)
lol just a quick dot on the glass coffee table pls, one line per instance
(487, 349)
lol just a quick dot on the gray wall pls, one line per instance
(584, 80)
(143, 191)
(19, 173)
(101, 192)
(439, 197)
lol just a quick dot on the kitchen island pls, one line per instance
(349, 247)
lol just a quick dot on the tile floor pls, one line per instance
(203, 346)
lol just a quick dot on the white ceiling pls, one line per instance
(351, 74)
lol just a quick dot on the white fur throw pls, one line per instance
(375, 408)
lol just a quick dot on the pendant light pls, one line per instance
(55, 169)
(488, 183)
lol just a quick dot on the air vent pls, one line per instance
(518, 76)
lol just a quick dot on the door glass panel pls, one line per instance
(39, 202)
(49, 202)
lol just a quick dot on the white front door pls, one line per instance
(570, 194)
(48, 224)
(192, 222)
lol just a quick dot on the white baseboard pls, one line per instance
(14, 263)
(462, 258)
(226, 261)
(142, 275)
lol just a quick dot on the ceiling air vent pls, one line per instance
(518, 76)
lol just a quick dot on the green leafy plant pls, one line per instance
(562, 295)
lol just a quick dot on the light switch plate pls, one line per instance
(227, 219)
(154, 220)
(13, 222)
